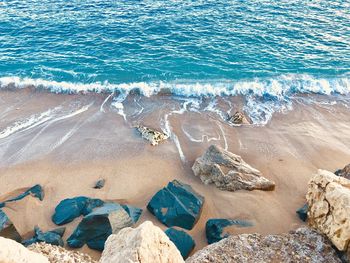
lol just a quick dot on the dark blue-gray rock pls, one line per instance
(7, 229)
(53, 237)
(35, 191)
(302, 212)
(95, 227)
(183, 241)
(215, 228)
(177, 205)
(100, 183)
(69, 209)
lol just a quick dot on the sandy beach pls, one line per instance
(68, 142)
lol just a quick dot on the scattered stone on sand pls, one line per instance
(69, 209)
(13, 252)
(57, 254)
(146, 243)
(100, 184)
(35, 191)
(229, 171)
(134, 212)
(151, 135)
(302, 245)
(302, 212)
(96, 227)
(345, 172)
(183, 241)
(177, 204)
(53, 237)
(328, 198)
(238, 118)
(215, 228)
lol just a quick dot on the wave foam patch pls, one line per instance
(263, 96)
(277, 86)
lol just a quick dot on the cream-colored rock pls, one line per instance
(302, 245)
(151, 135)
(13, 252)
(328, 198)
(145, 244)
(238, 118)
(57, 254)
(229, 171)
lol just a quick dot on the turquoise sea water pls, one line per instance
(192, 47)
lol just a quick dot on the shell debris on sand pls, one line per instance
(151, 135)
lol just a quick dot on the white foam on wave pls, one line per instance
(277, 86)
(263, 96)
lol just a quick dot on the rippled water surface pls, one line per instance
(183, 41)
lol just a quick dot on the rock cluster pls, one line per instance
(177, 204)
(151, 135)
(13, 252)
(228, 171)
(302, 245)
(329, 207)
(146, 243)
(56, 254)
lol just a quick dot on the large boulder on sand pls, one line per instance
(177, 205)
(302, 245)
(13, 252)
(69, 209)
(328, 198)
(216, 229)
(146, 243)
(183, 241)
(228, 171)
(97, 226)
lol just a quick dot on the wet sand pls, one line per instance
(82, 139)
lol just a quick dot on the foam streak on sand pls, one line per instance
(64, 117)
(105, 101)
(27, 123)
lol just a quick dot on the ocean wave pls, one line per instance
(284, 85)
(263, 97)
